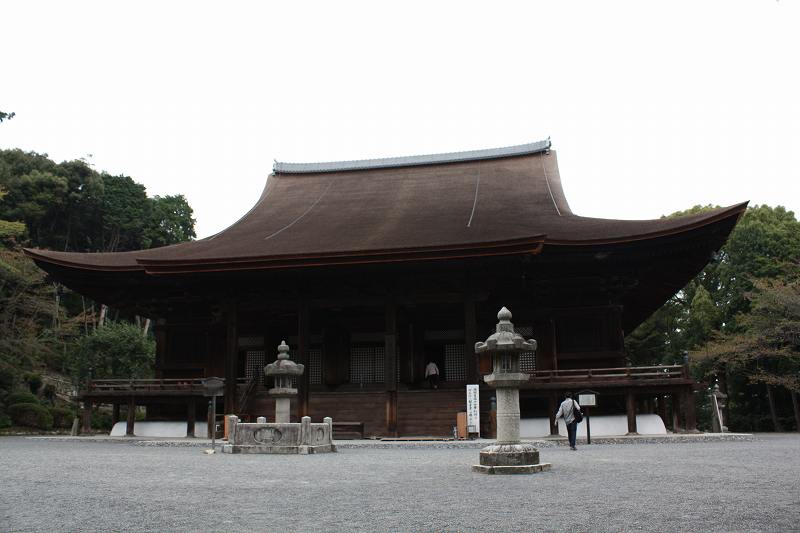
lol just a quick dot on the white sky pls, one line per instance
(652, 107)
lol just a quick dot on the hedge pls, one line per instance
(30, 415)
(21, 397)
(62, 417)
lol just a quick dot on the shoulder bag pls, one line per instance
(577, 413)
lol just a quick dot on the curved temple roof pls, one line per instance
(468, 204)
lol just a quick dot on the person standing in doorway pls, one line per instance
(567, 411)
(432, 375)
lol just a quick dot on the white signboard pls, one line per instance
(587, 400)
(473, 409)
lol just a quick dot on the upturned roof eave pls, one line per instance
(527, 245)
(38, 255)
(724, 213)
(523, 246)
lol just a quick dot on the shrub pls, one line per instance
(101, 420)
(49, 393)
(4, 421)
(62, 417)
(31, 415)
(21, 397)
(34, 382)
(7, 379)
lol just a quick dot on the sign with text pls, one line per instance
(473, 409)
(213, 386)
(587, 400)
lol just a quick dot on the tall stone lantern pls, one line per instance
(283, 370)
(508, 455)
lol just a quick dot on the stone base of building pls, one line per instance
(288, 450)
(510, 459)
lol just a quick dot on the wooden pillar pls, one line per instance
(555, 344)
(690, 419)
(390, 372)
(650, 405)
(210, 423)
(677, 414)
(131, 417)
(303, 345)
(114, 414)
(796, 408)
(662, 408)
(470, 336)
(87, 416)
(191, 414)
(553, 405)
(630, 407)
(231, 359)
(772, 411)
(160, 333)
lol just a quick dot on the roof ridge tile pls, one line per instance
(413, 160)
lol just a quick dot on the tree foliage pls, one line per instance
(118, 350)
(70, 206)
(766, 348)
(725, 317)
(27, 312)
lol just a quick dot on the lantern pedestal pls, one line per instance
(517, 458)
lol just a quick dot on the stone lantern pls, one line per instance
(508, 455)
(283, 370)
(282, 436)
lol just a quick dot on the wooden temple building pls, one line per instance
(371, 269)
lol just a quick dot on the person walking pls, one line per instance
(432, 375)
(567, 410)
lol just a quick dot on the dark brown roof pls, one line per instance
(464, 208)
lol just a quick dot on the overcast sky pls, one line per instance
(651, 108)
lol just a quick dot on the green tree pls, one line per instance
(170, 222)
(6, 116)
(118, 350)
(722, 311)
(26, 312)
(762, 246)
(125, 213)
(765, 349)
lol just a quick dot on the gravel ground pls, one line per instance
(56, 485)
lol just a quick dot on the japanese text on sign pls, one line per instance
(473, 409)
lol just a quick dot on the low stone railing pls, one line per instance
(281, 437)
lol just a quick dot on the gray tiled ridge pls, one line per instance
(411, 161)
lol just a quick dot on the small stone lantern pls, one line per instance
(507, 455)
(283, 370)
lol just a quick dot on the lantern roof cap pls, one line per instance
(283, 365)
(505, 339)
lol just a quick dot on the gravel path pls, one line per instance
(51, 485)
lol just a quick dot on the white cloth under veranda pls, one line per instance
(431, 369)
(567, 410)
